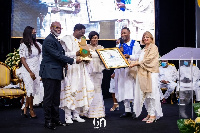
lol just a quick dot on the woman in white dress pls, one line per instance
(96, 109)
(112, 86)
(112, 91)
(29, 52)
(147, 87)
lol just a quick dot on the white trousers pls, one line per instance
(170, 88)
(127, 105)
(68, 113)
(150, 106)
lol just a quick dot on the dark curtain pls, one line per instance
(5, 26)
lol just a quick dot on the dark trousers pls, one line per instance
(51, 100)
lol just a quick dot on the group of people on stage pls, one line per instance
(69, 82)
(127, 87)
(138, 84)
(74, 84)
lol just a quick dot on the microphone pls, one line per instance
(121, 43)
(121, 40)
(65, 72)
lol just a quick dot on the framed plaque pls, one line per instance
(112, 58)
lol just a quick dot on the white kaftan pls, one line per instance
(186, 73)
(124, 82)
(77, 89)
(168, 74)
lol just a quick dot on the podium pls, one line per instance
(185, 86)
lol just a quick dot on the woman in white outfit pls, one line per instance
(29, 52)
(97, 108)
(112, 86)
(112, 91)
(147, 87)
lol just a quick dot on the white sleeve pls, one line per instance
(139, 5)
(23, 50)
(136, 51)
(177, 74)
(70, 54)
(94, 54)
(130, 7)
(195, 73)
(64, 41)
(160, 75)
(144, 5)
(174, 73)
(40, 56)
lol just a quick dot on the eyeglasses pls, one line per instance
(56, 27)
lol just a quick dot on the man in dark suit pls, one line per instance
(51, 72)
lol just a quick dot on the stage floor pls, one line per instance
(11, 121)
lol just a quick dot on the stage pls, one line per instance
(12, 121)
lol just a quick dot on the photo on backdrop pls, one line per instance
(138, 15)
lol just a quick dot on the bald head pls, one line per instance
(55, 23)
(56, 28)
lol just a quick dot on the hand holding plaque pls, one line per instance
(132, 70)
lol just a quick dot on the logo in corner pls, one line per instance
(99, 123)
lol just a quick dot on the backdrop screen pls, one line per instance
(107, 17)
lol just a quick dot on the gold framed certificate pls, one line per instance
(112, 58)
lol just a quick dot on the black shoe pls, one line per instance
(34, 117)
(126, 114)
(59, 123)
(22, 113)
(67, 124)
(50, 126)
(134, 115)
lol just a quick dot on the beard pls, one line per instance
(56, 34)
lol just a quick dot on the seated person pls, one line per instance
(197, 90)
(185, 93)
(167, 78)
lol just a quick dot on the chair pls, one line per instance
(5, 79)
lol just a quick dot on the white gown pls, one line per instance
(140, 96)
(97, 108)
(112, 86)
(33, 61)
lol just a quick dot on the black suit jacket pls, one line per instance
(53, 59)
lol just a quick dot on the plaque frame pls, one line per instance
(112, 55)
